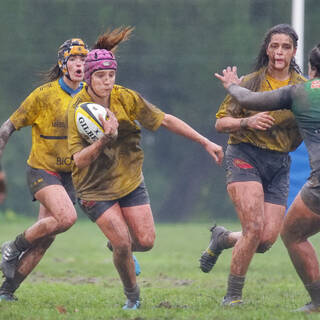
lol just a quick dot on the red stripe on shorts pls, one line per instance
(242, 164)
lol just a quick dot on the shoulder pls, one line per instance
(251, 75)
(49, 86)
(125, 95)
(82, 96)
(297, 77)
(123, 91)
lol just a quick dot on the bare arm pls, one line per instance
(89, 154)
(5, 132)
(261, 101)
(179, 127)
(260, 121)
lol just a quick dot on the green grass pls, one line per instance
(76, 280)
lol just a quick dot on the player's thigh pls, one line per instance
(248, 199)
(141, 224)
(300, 222)
(114, 226)
(55, 202)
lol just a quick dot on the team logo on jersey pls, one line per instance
(315, 84)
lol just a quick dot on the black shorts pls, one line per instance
(310, 194)
(94, 209)
(245, 162)
(39, 178)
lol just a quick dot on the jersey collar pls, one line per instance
(69, 90)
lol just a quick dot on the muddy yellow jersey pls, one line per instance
(45, 109)
(283, 136)
(118, 169)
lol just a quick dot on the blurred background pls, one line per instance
(176, 47)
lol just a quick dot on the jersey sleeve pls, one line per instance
(75, 142)
(28, 111)
(148, 115)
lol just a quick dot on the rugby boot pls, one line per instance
(231, 301)
(209, 257)
(133, 298)
(10, 259)
(135, 260)
(308, 308)
(131, 305)
(7, 296)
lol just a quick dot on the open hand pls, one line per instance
(229, 76)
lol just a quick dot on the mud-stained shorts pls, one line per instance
(94, 209)
(310, 194)
(245, 162)
(38, 179)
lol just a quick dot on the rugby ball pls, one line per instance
(88, 122)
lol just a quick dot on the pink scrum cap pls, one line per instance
(98, 59)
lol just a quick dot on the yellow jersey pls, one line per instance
(118, 169)
(283, 136)
(45, 109)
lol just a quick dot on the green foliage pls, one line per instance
(176, 47)
(77, 280)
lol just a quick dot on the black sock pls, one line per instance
(235, 286)
(21, 243)
(314, 292)
(133, 294)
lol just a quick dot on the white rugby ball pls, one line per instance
(88, 122)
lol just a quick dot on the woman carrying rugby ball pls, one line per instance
(107, 174)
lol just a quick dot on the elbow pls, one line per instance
(218, 126)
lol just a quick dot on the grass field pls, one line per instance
(77, 280)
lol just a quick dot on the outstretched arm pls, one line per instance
(178, 126)
(261, 101)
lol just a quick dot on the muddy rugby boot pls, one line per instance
(10, 259)
(231, 301)
(209, 257)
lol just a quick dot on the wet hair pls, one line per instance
(263, 59)
(52, 74)
(314, 59)
(111, 39)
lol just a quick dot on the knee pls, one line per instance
(67, 221)
(253, 231)
(146, 242)
(122, 249)
(263, 247)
